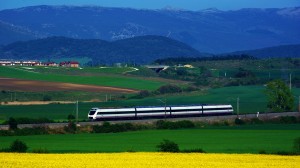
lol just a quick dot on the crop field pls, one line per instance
(104, 80)
(155, 160)
(80, 71)
(41, 86)
(241, 139)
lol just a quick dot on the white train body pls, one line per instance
(159, 112)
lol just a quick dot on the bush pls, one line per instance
(47, 98)
(256, 121)
(71, 127)
(31, 131)
(169, 89)
(18, 146)
(71, 117)
(161, 124)
(142, 94)
(168, 146)
(288, 119)
(13, 124)
(5, 133)
(106, 127)
(238, 121)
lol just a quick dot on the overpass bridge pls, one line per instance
(157, 68)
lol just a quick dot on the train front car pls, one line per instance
(93, 114)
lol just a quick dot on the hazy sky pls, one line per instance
(158, 4)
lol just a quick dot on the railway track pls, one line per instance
(207, 119)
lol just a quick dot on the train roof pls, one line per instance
(96, 108)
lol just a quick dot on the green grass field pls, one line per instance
(252, 100)
(242, 139)
(104, 80)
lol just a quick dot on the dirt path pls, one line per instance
(43, 102)
(36, 86)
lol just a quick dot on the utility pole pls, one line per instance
(290, 81)
(165, 102)
(299, 104)
(238, 107)
(77, 112)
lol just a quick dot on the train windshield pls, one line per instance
(92, 112)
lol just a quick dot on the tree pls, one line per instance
(280, 97)
(18, 146)
(12, 123)
(168, 146)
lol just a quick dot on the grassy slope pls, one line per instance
(244, 139)
(105, 80)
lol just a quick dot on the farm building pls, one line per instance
(53, 64)
(73, 64)
(19, 63)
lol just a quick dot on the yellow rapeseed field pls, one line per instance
(135, 160)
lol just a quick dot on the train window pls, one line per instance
(92, 112)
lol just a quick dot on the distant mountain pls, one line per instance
(210, 30)
(143, 49)
(292, 51)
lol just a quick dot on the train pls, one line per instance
(175, 111)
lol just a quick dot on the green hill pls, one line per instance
(139, 50)
(292, 51)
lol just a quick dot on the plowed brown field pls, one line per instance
(36, 86)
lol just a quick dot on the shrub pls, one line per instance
(106, 127)
(5, 133)
(161, 124)
(142, 94)
(71, 127)
(238, 121)
(168, 146)
(288, 119)
(13, 124)
(190, 89)
(256, 121)
(18, 146)
(169, 89)
(71, 117)
(185, 124)
(47, 98)
(31, 131)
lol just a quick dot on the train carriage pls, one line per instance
(159, 112)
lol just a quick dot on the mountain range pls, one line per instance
(141, 50)
(211, 30)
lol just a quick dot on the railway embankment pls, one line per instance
(206, 119)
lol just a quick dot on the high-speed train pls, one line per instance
(158, 112)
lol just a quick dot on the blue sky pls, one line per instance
(158, 4)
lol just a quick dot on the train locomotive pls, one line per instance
(159, 112)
